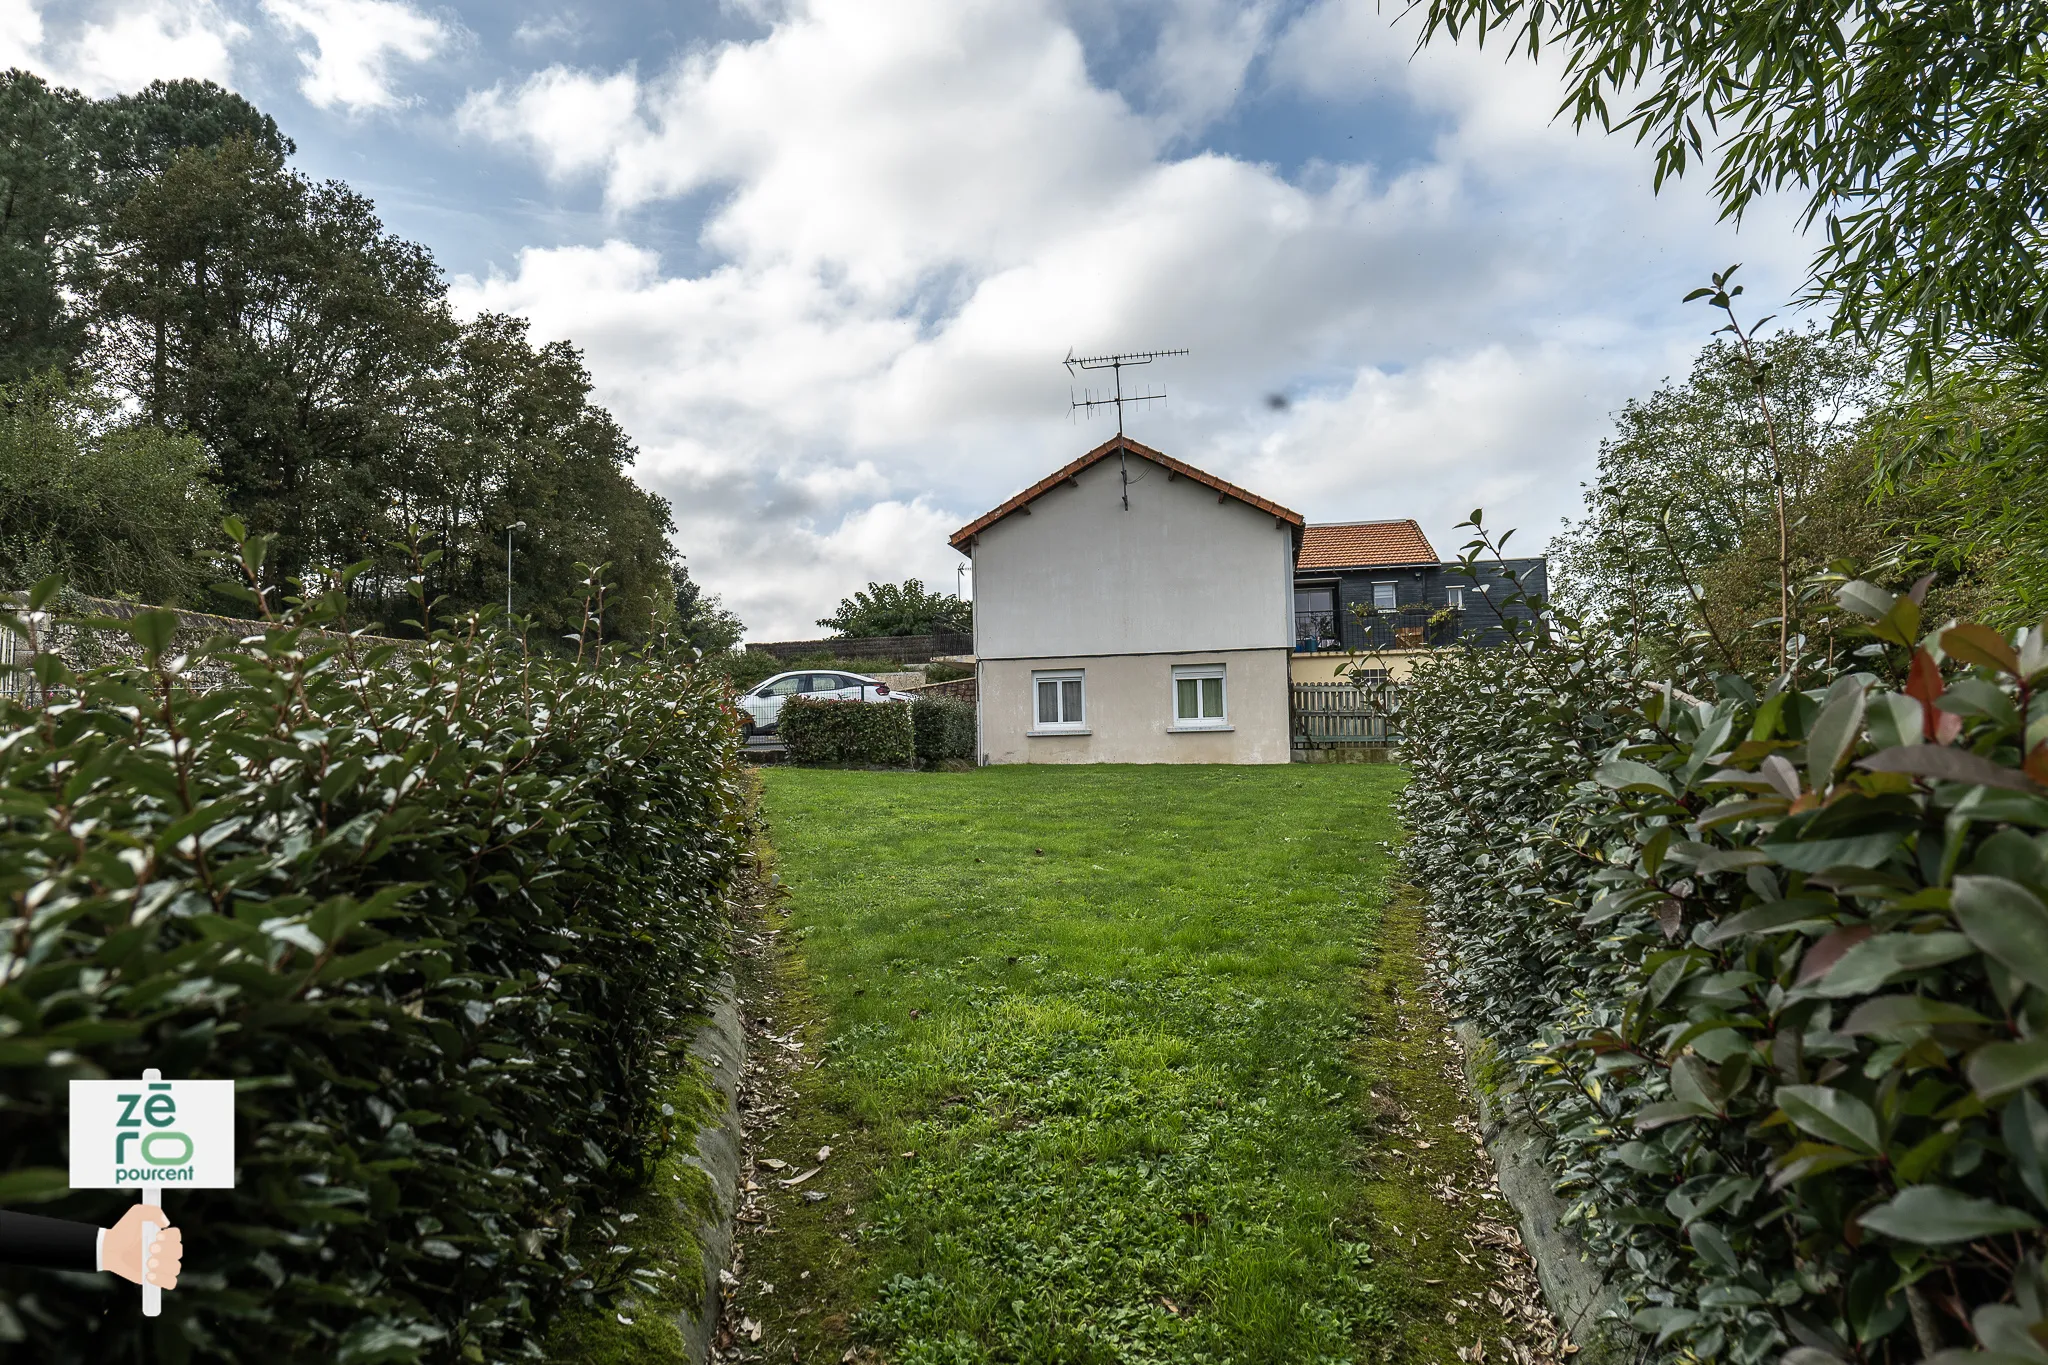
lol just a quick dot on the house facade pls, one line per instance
(1131, 608)
(1375, 595)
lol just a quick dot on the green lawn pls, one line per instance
(1096, 1071)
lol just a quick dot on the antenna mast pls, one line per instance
(1088, 401)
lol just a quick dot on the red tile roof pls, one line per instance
(1102, 452)
(1357, 544)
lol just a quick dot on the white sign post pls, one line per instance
(149, 1133)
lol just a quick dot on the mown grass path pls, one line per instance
(1092, 1067)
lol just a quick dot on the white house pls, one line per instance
(1133, 609)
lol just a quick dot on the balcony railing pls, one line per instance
(1395, 628)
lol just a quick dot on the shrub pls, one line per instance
(944, 728)
(939, 670)
(1774, 968)
(437, 910)
(822, 730)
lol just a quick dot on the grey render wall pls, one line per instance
(1179, 572)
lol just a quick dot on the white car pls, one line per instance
(763, 704)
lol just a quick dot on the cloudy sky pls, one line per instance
(824, 257)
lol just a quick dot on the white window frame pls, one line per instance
(1186, 672)
(1454, 596)
(1393, 595)
(1077, 725)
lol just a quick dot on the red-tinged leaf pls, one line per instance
(1924, 685)
(1980, 645)
(1948, 727)
(1947, 765)
(1828, 950)
(2036, 765)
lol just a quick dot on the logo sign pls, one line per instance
(174, 1134)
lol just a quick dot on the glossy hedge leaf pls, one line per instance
(454, 905)
(1833, 732)
(2000, 1068)
(1933, 1215)
(1865, 599)
(1982, 646)
(1627, 775)
(2008, 1332)
(1836, 973)
(1822, 855)
(1884, 958)
(2025, 1129)
(1831, 1115)
(2007, 921)
(1946, 765)
(1768, 919)
(1888, 1016)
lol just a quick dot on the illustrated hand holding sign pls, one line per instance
(144, 1135)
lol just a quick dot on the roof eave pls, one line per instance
(964, 537)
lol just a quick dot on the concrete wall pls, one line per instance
(1333, 666)
(1130, 710)
(1180, 570)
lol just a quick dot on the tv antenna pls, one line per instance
(1088, 401)
(1115, 364)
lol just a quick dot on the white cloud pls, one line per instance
(1205, 49)
(923, 203)
(21, 34)
(355, 45)
(119, 48)
(555, 30)
(573, 123)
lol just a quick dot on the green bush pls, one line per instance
(822, 730)
(939, 671)
(1773, 967)
(944, 727)
(439, 911)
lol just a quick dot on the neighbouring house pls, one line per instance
(1131, 608)
(1373, 596)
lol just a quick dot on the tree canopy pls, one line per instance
(111, 504)
(906, 608)
(1917, 134)
(159, 249)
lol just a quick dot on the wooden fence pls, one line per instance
(1328, 715)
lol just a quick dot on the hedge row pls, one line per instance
(944, 729)
(824, 730)
(439, 913)
(1772, 969)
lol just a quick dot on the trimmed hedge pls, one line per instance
(828, 730)
(1771, 967)
(438, 911)
(944, 729)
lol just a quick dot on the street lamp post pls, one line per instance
(515, 526)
